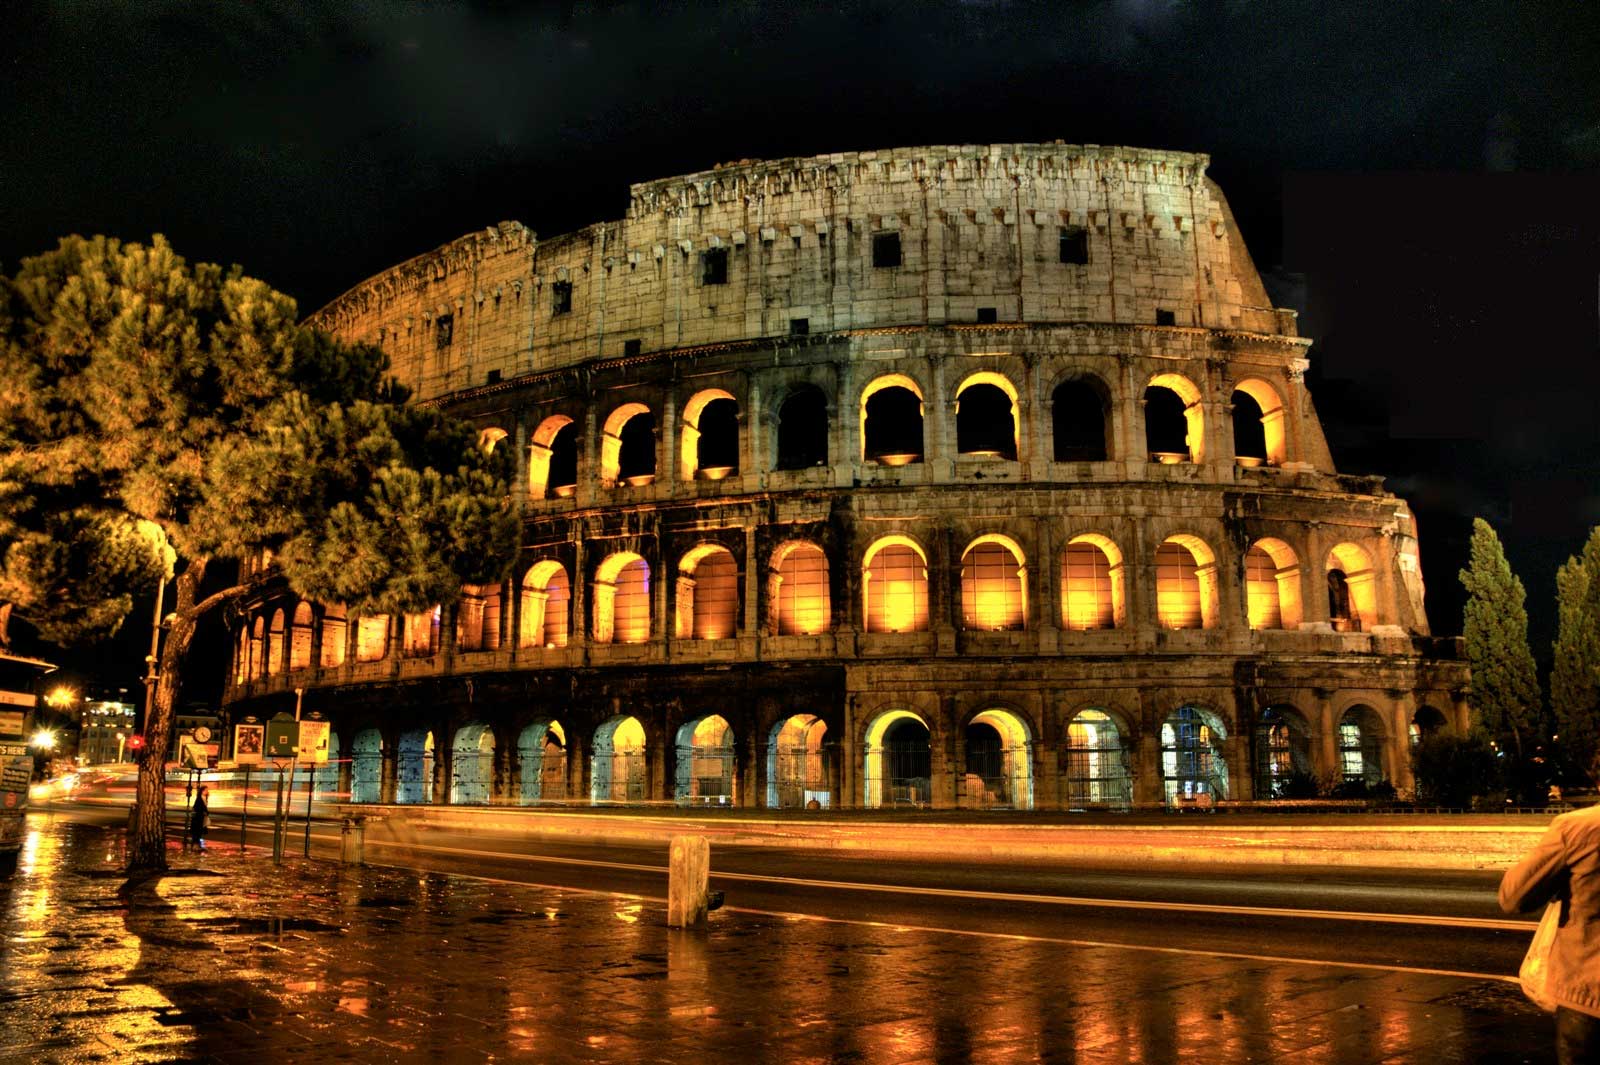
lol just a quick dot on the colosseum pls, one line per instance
(974, 476)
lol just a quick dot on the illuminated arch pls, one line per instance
(300, 627)
(1275, 443)
(478, 617)
(706, 761)
(691, 441)
(1361, 747)
(542, 762)
(274, 645)
(335, 636)
(876, 450)
(894, 586)
(1352, 588)
(617, 766)
(611, 445)
(1272, 585)
(898, 768)
(489, 438)
(976, 437)
(1193, 414)
(543, 462)
(1092, 584)
(1192, 759)
(372, 637)
(414, 767)
(472, 765)
(707, 593)
(420, 634)
(798, 597)
(1284, 769)
(546, 598)
(366, 766)
(994, 585)
(1096, 771)
(798, 763)
(1186, 583)
(999, 762)
(622, 599)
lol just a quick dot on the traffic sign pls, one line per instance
(283, 737)
(314, 741)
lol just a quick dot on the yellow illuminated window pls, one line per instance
(1177, 588)
(300, 637)
(897, 591)
(372, 638)
(333, 637)
(991, 589)
(803, 599)
(274, 647)
(1086, 588)
(1261, 590)
(555, 610)
(632, 604)
(716, 596)
(422, 633)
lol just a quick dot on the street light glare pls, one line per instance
(61, 696)
(45, 740)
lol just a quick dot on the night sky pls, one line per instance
(1418, 180)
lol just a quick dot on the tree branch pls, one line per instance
(216, 599)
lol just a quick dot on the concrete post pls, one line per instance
(688, 882)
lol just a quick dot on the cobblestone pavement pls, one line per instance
(231, 959)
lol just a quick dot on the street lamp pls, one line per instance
(122, 737)
(44, 740)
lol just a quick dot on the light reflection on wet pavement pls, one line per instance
(229, 959)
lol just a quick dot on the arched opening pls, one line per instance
(899, 761)
(1258, 424)
(472, 765)
(705, 762)
(258, 648)
(421, 634)
(1174, 422)
(1080, 427)
(798, 761)
(798, 596)
(709, 435)
(478, 617)
(1192, 761)
(372, 637)
(414, 767)
(300, 637)
(891, 421)
(628, 447)
(708, 594)
(241, 657)
(999, 763)
(622, 599)
(1096, 771)
(894, 586)
(546, 598)
(1427, 721)
(1352, 591)
(994, 585)
(1186, 584)
(366, 766)
(489, 439)
(986, 417)
(553, 458)
(275, 639)
(335, 635)
(617, 767)
(542, 754)
(1272, 585)
(803, 429)
(1283, 756)
(1091, 584)
(1361, 750)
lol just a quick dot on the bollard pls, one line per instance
(688, 876)
(353, 840)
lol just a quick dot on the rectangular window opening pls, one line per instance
(561, 297)
(1074, 245)
(987, 316)
(444, 328)
(799, 327)
(1166, 318)
(886, 250)
(492, 377)
(714, 267)
(632, 347)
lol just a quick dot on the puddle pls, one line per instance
(268, 926)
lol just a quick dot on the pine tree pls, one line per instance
(1575, 669)
(158, 417)
(1505, 687)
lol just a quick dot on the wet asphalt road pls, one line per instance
(1426, 921)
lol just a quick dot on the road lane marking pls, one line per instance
(970, 894)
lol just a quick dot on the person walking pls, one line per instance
(198, 817)
(1565, 865)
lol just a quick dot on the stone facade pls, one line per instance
(977, 476)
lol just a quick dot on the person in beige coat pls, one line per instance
(1565, 865)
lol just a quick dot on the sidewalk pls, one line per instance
(231, 959)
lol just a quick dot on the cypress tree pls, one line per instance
(1505, 687)
(1575, 667)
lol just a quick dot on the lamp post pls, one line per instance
(122, 738)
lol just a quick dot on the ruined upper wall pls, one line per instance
(979, 227)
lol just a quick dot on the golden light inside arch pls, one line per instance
(894, 586)
(490, 437)
(1356, 564)
(689, 429)
(994, 584)
(1186, 583)
(1193, 411)
(1272, 417)
(1092, 583)
(622, 599)
(875, 768)
(1272, 585)
(798, 591)
(708, 593)
(546, 594)
(539, 451)
(611, 441)
(1003, 383)
(876, 385)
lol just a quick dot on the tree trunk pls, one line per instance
(147, 849)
